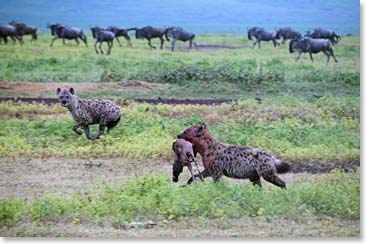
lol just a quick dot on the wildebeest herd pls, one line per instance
(320, 40)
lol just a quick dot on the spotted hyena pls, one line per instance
(89, 111)
(184, 156)
(234, 161)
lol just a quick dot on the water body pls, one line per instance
(199, 16)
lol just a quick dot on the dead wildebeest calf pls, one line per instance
(184, 156)
(89, 111)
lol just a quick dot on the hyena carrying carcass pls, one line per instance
(89, 111)
(234, 161)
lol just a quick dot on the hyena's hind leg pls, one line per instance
(268, 172)
(255, 179)
(76, 129)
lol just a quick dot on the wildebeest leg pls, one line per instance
(173, 44)
(100, 47)
(128, 41)
(190, 170)
(84, 39)
(327, 55)
(255, 179)
(77, 41)
(253, 46)
(259, 45)
(162, 41)
(332, 54)
(110, 45)
(299, 55)
(150, 44)
(52, 42)
(283, 41)
(63, 41)
(275, 43)
(204, 174)
(117, 39)
(95, 46)
(311, 56)
(13, 38)
(76, 129)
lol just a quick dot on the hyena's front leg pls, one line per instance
(76, 129)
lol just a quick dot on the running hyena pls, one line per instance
(234, 161)
(89, 111)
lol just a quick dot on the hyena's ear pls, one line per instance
(71, 90)
(58, 90)
(201, 129)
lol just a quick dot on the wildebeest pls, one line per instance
(121, 32)
(287, 33)
(320, 33)
(177, 33)
(11, 31)
(27, 29)
(184, 156)
(309, 45)
(258, 34)
(100, 35)
(66, 32)
(149, 33)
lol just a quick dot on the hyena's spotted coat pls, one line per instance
(89, 111)
(234, 161)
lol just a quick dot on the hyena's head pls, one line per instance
(195, 134)
(65, 96)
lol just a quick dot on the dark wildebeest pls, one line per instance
(65, 32)
(100, 35)
(320, 33)
(258, 34)
(11, 31)
(177, 33)
(121, 32)
(149, 33)
(309, 45)
(287, 33)
(27, 29)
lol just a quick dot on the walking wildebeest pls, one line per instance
(287, 33)
(65, 32)
(320, 33)
(258, 34)
(177, 33)
(309, 45)
(149, 33)
(121, 32)
(27, 29)
(100, 35)
(15, 33)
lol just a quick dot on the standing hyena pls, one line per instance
(89, 111)
(234, 161)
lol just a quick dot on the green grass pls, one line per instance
(232, 74)
(155, 197)
(325, 129)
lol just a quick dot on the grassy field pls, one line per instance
(57, 183)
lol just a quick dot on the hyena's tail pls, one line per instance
(282, 167)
